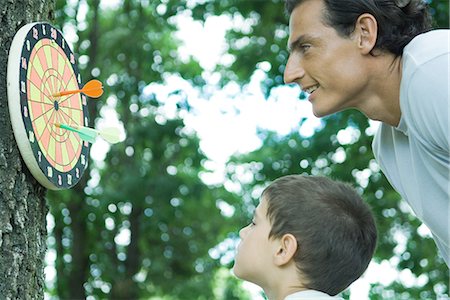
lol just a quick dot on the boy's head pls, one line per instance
(399, 21)
(318, 228)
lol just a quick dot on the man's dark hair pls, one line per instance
(399, 21)
(334, 228)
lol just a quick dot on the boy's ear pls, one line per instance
(286, 249)
(366, 32)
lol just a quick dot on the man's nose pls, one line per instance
(294, 70)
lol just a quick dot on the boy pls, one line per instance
(310, 238)
(381, 58)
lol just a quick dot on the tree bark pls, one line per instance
(23, 208)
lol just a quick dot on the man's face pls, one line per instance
(254, 256)
(327, 66)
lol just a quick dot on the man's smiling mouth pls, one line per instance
(311, 89)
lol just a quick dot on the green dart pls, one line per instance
(109, 134)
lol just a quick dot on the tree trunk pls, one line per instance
(124, 287)
(23, 208)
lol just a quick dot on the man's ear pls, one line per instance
(366, 32)
(286, 249)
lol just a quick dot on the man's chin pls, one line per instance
(320, 112)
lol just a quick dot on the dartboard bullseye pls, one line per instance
(40, 65)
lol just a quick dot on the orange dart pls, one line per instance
(93, 89)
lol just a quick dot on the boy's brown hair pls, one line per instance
(334, 228)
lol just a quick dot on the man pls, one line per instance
(380, 58)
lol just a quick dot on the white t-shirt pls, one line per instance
(415, 155)
(311, 294)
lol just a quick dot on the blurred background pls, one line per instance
(197, 88)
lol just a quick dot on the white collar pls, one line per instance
(311, 294)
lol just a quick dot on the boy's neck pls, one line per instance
(281, 295)
(286, 282)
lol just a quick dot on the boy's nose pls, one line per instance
(242, 232)
(294, 70)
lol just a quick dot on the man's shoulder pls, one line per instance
(428, 45)
(437, 35)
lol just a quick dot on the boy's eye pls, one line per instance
(304, 47)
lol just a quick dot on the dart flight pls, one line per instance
(92, 89)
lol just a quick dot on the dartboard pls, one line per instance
(40, 65)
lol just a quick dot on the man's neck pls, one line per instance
(383, 97)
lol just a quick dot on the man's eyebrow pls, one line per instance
(295, 43)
